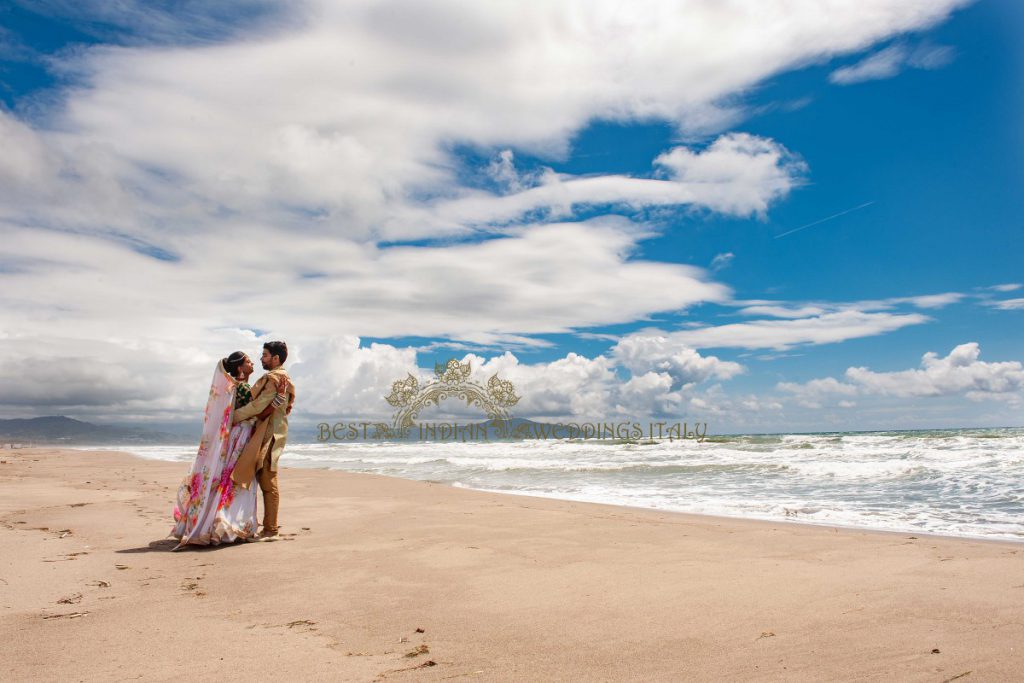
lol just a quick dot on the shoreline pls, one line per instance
(825, 524)
(502, 587)
(763, 520)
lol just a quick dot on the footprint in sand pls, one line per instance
(191, 585)
(305, 624)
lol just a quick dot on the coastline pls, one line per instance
(757, 520)
(505, 587)
(891, 523)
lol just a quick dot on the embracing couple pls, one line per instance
(244, 431)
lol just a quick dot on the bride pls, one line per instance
(211, 509)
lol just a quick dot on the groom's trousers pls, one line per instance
(271, 496)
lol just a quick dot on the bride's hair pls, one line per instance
(233, 362)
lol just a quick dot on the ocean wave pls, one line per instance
(954, 482)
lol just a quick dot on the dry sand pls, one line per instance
(378, 578)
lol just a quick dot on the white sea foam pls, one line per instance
(955, 482)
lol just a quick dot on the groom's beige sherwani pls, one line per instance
(277, 430)
(274, 437)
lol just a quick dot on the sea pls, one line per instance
(954, 482)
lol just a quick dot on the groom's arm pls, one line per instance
(256, 406)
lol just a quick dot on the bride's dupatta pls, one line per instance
(203, 478)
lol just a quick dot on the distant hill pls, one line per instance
(58, 430)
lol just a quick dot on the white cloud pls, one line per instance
(783, 309)
(817, 388)
(502, 170)
(931, 300)
(961, 372)
(722, 261)
(643, 353)
(1007, 304)
(891, 61)
(385, 88)
(546, 278)
(780, 335)
(170, 197)
(737, 174)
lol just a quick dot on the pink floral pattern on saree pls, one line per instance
(209, 510)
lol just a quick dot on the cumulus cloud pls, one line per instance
(961, 372)
(642, 353)
(738, 174)
(571, 387)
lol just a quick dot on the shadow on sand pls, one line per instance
(167, 545)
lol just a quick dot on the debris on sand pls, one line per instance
(417, 651)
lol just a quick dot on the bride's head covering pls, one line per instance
(212, 446)
(219, 405)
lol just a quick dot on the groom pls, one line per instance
(268, 404)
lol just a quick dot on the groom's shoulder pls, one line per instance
(277, 372)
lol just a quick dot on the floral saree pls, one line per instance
(210, 509)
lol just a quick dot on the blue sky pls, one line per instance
(908, 137)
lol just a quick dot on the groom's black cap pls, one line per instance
(277, 348)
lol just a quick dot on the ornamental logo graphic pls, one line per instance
(451, 380)
(454, 380)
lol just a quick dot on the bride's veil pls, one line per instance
(212, 446)
(219, 405)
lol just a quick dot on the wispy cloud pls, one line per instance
(723, 260)
(1006, 304)
(780, 335)
(1007, 287)
(891, 61)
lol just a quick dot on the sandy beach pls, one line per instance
(377, 578)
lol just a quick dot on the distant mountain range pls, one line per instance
(516, 429)
(56, 430)
(60, 430)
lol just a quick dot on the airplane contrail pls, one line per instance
(828, 218)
